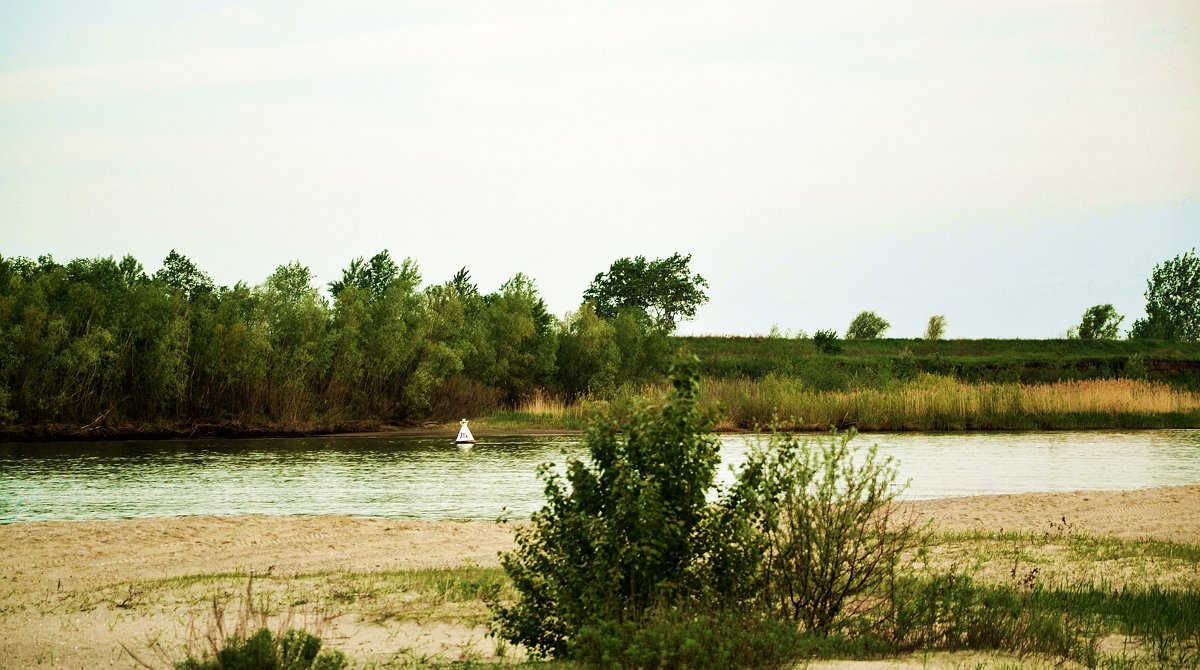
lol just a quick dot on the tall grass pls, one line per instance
(539, 409)
(927, 403)
(932, 402)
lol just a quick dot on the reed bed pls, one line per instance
(539, 410)
(932, 402)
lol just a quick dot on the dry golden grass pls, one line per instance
(932, 402)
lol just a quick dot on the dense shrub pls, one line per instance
(826, 341)
(630, 565)
(624, 531)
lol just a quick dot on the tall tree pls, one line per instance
(1172, 301)
(523, 337)
(665, 288)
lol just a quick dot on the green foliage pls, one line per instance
(1100, 322)
(294, 650)
(99, 343)
(1172, 301)
(588, 359)
(376, 276)
(833, 539)
(936, 327)
(619, 534)
(522, 338)
(178, 272)
(866, 326)
(670, 639)
(826, 341)
(665, 289)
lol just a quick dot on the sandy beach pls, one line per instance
(69, 591)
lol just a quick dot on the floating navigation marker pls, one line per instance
(464, 434)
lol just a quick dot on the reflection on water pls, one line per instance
(391, 476)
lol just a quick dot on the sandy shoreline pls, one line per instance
(42, 561)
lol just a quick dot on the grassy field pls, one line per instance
(1029, 361)
(1054, 599)
(919, 385)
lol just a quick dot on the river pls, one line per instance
(423, 478)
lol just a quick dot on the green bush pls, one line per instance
(826, 341)
(826, 512)
(624, 532)
(294, 650)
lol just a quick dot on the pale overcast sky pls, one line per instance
(1005, 163)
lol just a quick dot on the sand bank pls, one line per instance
(61, 582)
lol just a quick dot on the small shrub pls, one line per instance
(826, 341)
(1135, 368)
(833, 538)
(905, 366)
(247, 643)
(294, 650)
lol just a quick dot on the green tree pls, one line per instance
(386, 356)
(522, 338)
(1172, 301)
(588, 360)
(374, 277)
(296, 317)
(1100, 322)
(936, 327)
(182, 275)
(665, 289)
(866, 326)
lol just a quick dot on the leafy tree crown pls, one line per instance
(1100, 322)
(866, 326)
(1172, 301)
(664, 288)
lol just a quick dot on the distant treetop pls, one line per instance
(664, 288)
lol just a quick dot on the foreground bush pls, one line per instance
(833, 540)
(623, 532)
(630, 565)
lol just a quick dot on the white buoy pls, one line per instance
(464, 434)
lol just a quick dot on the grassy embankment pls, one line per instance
(924, 385)
(1054, 599)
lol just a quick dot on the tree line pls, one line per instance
(1172, 312)
(102, 338)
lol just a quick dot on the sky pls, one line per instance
(1005, 163)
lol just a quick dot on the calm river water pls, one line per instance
(391, 476)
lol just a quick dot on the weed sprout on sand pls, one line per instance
(247, 641)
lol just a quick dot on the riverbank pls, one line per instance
(387, 589)
(927, 403)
